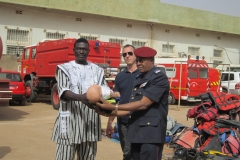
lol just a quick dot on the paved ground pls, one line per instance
(25, 133)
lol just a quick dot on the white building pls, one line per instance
(24, 23)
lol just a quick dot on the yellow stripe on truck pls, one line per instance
(178, 88)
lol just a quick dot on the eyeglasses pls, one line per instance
(125, 54)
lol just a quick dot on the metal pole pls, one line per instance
(180, 84)
(174, 70)
(228, 77)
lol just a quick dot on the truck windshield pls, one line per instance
(192, 72)
(203, 72)
(13, 76)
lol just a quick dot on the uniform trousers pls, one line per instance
(85, 151)
(125, 145)
(147, 151)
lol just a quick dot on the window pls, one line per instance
(33, 53)
(16, 36)
(13, 50)
(217, 53)
(56, 35)
(13, 76)
(115, 40)
(26, 53)
(193, 50)
(170, 72)
(89, 38)
(203, 72)
(226, 75)
(168, 48)
(138, 44)
(192, 72)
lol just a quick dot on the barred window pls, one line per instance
(217, 53)
(138, 44)
(56, 35)
(115, 40)
(13, 50)
(168, 48)
(89, 38)
(16, 36)
(193, 50)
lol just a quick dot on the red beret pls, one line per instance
(145, 52)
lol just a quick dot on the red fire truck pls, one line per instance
(188, 78)
(5, 93)
(38, 64)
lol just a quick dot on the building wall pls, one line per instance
(143, 10)
(38, 22)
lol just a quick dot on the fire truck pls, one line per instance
(5, 93)
(188, 78)
(38, 64)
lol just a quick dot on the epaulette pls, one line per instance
(156, 71)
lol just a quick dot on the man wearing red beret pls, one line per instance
(147, 109)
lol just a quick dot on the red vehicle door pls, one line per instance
(32, 60)
(28, 61)
(198, 81)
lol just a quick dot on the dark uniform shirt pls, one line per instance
(124, 84)
(149, 126)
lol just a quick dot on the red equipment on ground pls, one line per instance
(188, 78)
(5, 93)
(38, 64)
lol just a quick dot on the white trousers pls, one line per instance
(85, 151)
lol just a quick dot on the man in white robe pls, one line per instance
(78, 127)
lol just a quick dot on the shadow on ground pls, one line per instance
(4, 150)
(11, 114)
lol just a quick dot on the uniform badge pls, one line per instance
(157, 71)
(143, 85)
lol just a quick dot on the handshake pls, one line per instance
(100, 94)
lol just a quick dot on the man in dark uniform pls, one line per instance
(148, 108)
(123, 86)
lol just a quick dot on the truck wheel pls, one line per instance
(31, 94)
(54, 97)
(22, 102)
(171, 99)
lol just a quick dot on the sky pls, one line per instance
(227, 7)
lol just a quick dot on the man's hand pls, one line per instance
(105, 105)
(90, 104)
(100, 111)
(109, 130)
(115, 94)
